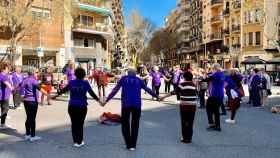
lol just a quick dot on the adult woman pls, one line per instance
(156, 79)
(256, 88)
(47, 81)
(5, 93)
(17, 79)
(233, 86)
(77, 108)
(30, 92)
(70, 75)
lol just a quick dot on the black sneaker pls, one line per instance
(186, 141)
(217, 129)
(210, 128)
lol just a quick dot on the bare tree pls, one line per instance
(17, 22)
(139, 32)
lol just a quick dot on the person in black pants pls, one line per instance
(131, 105)
(77, 108)
(168, 82)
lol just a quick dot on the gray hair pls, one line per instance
(216, 66)
(131, 71)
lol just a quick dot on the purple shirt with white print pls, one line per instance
(5, 91)
(30, 89)
(156, 76)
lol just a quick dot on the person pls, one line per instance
(156, 79)
(233, 86)
(47, 82)
(131, 105)
(77, 108)
(102, 80)
(216, 95)
(70, 72)
(256, 88)
(5, 93)
(250, 77)
(202, 88)
(265, 86)
(30, 92)
(17, 79)
(168, 75)
(176, 76)
(188, 100)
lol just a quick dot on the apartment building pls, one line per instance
(196, 45)
(46, 36)
(232, 32)
(260, 29)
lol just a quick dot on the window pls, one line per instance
(244, 39)
(86, 20)
(258, 15)
(38, 13)
(79, 42)
(278, 9)
(250, 38)
(86, 43)
(258, 38)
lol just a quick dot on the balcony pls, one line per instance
(95, 6)
(226, 32)
(226, 12)
(98, 28)
(236, 5)
(235, 47)
(235, 28)
(216, 19)
(216, 3)
(216, 36)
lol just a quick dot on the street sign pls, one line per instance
(40, 51)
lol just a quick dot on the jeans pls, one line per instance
(31, 108)
(77, 115)
(130, 128)
(187, 119)
(212, 108)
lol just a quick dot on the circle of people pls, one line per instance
(190, 88)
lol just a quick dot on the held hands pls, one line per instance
(102, 103)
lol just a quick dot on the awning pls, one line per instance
(253, 60)
(106, 35)
(274, 61)
(99, 10)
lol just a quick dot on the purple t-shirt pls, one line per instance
(5, 92)
(70, 74)
(156, 76)
(176, 77)
(17, 80)
(29, 89)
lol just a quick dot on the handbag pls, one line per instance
(241, 91)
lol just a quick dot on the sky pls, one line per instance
(154, 10)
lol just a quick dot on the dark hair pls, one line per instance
(256, 70)
(80, 73)
(188, 76)
(3, 66)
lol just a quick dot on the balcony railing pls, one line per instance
(226, 32)
(235, 28)
(216, 36)
(226, 12)
(216, 19)
(236, 5)
(100, 28)
(217, 2)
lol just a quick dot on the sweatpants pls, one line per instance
(130, 127)
(31, 108)
(77, 115)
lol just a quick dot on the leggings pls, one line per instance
(31, 108)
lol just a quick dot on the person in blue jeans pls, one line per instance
(131, 105)
(77, 108)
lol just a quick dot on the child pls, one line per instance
(77, 108)
(188, 100)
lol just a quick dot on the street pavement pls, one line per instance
(256, 134)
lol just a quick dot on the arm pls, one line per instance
(148, 90)
(92, 94)
(8, 84)
(168, 95)
(114, 91)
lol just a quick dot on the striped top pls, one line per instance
(188, 93)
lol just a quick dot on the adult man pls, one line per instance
(216, 96)
(265, 86)
(131, 105)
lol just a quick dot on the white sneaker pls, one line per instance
(4, 126)
(27, 137)
(230, 121)
(131, 149)
(36, 138)
(79, 145)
